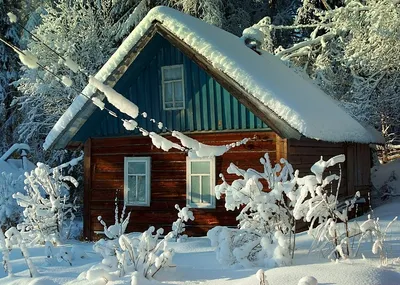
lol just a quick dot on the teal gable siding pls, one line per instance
(208, 106)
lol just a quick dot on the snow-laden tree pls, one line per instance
(76, 31)
(9, 66)
(236, 15)
(353, 53)
(46, 205)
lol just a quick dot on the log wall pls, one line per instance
(302, 154)
(104, 174)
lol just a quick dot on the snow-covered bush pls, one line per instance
(145, 254)
(248, 248)
(265, 218)
(178, 227)
(118, 228)
(10, 212)
(14, 238)
(372, 227)
(46, 204)
(316, 202)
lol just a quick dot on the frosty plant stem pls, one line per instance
(184, 215)
(6, 256)
(118, 228)
(372, 227)
(14, 238)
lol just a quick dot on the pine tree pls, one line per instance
(9, 66)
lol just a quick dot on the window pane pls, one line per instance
(195, 191)
(132, 197)
(137, 167)
(178, 91)
(200, 167)
(206, 193)
(169, 105)
(169, 92)
(173, 73)
(179, 104)
(141, 186)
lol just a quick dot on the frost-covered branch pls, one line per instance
(120, 223)
(178, 227)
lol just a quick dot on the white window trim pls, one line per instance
(169, 81)
(189, 186)
(147, 160)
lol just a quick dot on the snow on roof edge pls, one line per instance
(180, 25)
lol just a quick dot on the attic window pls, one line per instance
(173, 87)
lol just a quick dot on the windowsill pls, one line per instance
(201, 206)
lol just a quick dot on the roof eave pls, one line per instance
(73, 126)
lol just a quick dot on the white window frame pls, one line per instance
(189, 186)
(163, 81)
(147, 161)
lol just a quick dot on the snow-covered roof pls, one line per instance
(293, 99)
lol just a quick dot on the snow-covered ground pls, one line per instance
(196, 264)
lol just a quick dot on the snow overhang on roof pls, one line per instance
(292, 104)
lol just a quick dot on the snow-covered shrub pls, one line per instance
(46, 204)
(316, 202)
(14, 238)
(248, 248)
(145, 254)
(372, 227)
(118, 228)
(178, 227)
(265, 218)
(10, 212)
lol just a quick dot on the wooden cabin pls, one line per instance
(206, 83)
